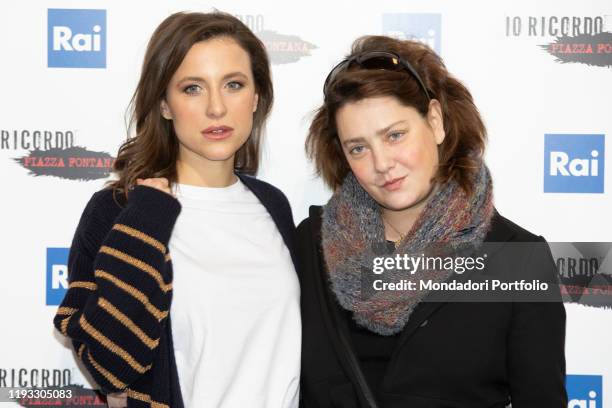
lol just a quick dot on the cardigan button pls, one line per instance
(424, 323)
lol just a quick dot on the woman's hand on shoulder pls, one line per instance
(159, 183)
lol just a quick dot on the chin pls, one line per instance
(399, 203)
(395, 206)
(219, 153)
(217, 157)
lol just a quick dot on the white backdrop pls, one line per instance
(523, 93)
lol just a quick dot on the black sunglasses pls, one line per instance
(375, 60)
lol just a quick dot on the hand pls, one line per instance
(117, 400)
(160, 183)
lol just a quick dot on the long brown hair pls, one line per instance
(465, 138)
(153, 150)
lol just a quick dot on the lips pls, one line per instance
(394, 184)
(217, 132)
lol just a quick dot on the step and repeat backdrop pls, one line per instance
(540, 72)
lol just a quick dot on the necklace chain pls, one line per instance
(398, 241)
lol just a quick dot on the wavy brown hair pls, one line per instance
(464, 143)
(153, 149)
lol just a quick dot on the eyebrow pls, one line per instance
(353, 140)
(200, 79)
(386, 129)
(379, 132)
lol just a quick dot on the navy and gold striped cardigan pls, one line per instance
(116, 310)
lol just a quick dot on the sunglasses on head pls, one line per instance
(375, 60)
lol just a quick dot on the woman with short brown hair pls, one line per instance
(400, 142)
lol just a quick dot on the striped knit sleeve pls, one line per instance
(119, 297)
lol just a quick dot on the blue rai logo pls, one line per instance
(574, 163)
(584, 391)
(57, 275)
(423, 27)
(76, 38)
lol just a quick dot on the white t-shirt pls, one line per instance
(235, 306)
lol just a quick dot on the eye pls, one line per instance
(395, 136)
(235, 85)
(356, 150)
(192, 89)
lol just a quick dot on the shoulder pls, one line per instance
(530, 249)
(106, 204)
(97, 218)
(261, 186)
(266, 192)
(503, 230)
(311, 225)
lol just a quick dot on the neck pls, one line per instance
(401, 221)
(200, 172)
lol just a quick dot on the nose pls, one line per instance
(216, 105)
(383, 160)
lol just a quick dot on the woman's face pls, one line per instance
(391, 149)
(210, 100)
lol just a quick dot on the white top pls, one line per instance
(235, 306)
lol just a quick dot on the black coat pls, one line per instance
(449, 355)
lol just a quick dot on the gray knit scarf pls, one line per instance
(353, 233)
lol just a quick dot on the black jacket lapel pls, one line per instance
(282, 217)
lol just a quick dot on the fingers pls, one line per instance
(117, 400)
(160, 183)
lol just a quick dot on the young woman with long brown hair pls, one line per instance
(182, 288)
(401, 143)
